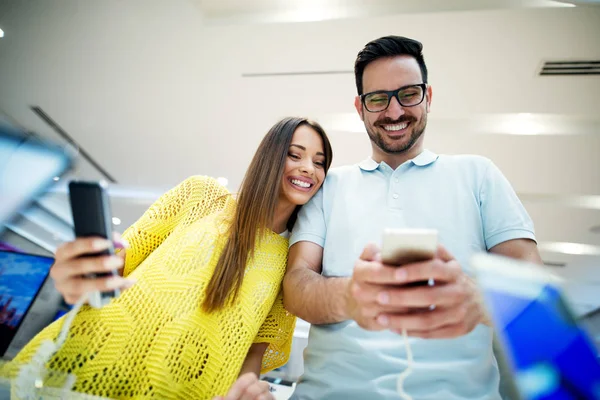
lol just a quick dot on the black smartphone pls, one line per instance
(90, 207)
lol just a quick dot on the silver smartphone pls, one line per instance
(406, 246)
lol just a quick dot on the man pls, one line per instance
(357, 306)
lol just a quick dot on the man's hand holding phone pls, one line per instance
(383, 296)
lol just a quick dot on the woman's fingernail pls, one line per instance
(121, 244)
(121, 283)
(113, 262)
(400, 274)
(115, 282)
(129, 282)
(101, 244)
(383, 298)
(383, 320)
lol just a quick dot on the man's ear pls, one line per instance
(429, 95)
(359, 107)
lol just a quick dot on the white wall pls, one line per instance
(123, 78)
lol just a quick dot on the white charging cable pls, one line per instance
(404, 374)
(31, 375)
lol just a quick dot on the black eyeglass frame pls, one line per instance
(394, 93)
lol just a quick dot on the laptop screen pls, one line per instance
(21, 278)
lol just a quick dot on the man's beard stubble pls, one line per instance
(417, 130)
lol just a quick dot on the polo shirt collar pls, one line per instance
(368, 165)
(425, 158)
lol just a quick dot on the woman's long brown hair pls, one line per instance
(256, 202)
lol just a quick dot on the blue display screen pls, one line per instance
(552, 356)
(21, 278)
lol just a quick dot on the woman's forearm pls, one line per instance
(253, 361)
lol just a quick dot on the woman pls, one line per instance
(206, 307)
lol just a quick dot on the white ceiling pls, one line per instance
(156, 91)
(283, 11)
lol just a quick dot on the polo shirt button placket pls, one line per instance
(395, 192)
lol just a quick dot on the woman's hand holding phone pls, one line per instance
(74, 265)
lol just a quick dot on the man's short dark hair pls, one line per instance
(388, 46)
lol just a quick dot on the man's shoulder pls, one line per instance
(465, 161)
(470, 169)
(341, 174)
(343, 170)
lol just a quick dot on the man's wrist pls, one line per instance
(346, 297)
(485, 318)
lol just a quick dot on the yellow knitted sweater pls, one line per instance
(155, 340)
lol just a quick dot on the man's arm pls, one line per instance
(309, 295)
(521, 249)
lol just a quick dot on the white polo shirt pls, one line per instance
(473, 207)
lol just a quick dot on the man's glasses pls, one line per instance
(407, 96)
